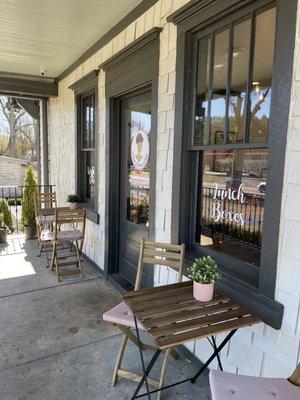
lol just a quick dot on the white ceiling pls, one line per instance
(51, 34)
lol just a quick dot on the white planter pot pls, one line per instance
(203, 292)
(73, 206)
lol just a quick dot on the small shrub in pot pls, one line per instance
(3, 229)
(73, 200)
(28, 213)
(204, 272)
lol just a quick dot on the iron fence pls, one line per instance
(13, 196)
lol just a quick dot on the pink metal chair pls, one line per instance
(225, 386)
(151, 253)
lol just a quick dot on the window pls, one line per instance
(87, 141)
(233, 88)
(86, 97)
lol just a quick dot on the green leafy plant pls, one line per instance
(73, 198)
(7, 217)
(204, 270)
(28, 215)
(2, 225)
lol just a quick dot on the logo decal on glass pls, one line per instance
(234, 195)
(140, 150)
(91, 175)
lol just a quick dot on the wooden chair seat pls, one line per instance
(63, 236)
(45, 219)
(121, 315)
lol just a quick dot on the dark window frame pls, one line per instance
(193, 18)
(237, 267)
(86, 86)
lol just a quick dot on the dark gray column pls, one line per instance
(44, 139)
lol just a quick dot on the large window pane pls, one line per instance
(262, 76)
(138, 153)
(201, 123)
(218, 101)
(231, 206)
(239, 81)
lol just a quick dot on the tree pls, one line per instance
(17, 138)
(28, 213)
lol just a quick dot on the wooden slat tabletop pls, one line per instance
(172, 316)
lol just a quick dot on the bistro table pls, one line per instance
(172, 316)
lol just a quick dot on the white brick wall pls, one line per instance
(259, 350)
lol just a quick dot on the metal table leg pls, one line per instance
(147, 370)
(215, 354)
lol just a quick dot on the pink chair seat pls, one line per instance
(121, 315)
(62, 235)
(225, 386)
(45, 219)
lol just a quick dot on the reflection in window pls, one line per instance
(218, 101)
(201, 129)
(232, 203)
(138, 164)
(239, 82)
(262, 76)
(233, 105)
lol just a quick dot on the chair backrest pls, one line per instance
(74, 218)
(44, 200)
(295, 378)
(163, 254)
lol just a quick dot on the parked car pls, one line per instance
(262, 187)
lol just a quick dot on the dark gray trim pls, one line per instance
(114, 31)
(44, 134)
(268, 310)
(30, 106)
(278, 126)
(260, 299)
(27, 87)
(130, 50)
(88, 81)
(132, 76)
(198, 13)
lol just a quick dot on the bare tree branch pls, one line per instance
(5, 113)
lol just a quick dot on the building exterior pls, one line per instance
(12, 171)
(184, 126)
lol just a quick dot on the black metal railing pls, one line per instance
(13, 196)
(241, 221)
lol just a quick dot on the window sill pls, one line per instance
(91, 214)
(267, 309)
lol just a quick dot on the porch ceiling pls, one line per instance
(50, 35)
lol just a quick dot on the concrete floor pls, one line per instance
(53, 342)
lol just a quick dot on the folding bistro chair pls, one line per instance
(151, 253)
(75, 219)
(43, 202)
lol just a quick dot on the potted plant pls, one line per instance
(73, 200)
(204, 272)
(3, 229)
(7, 217)
(28, 214)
